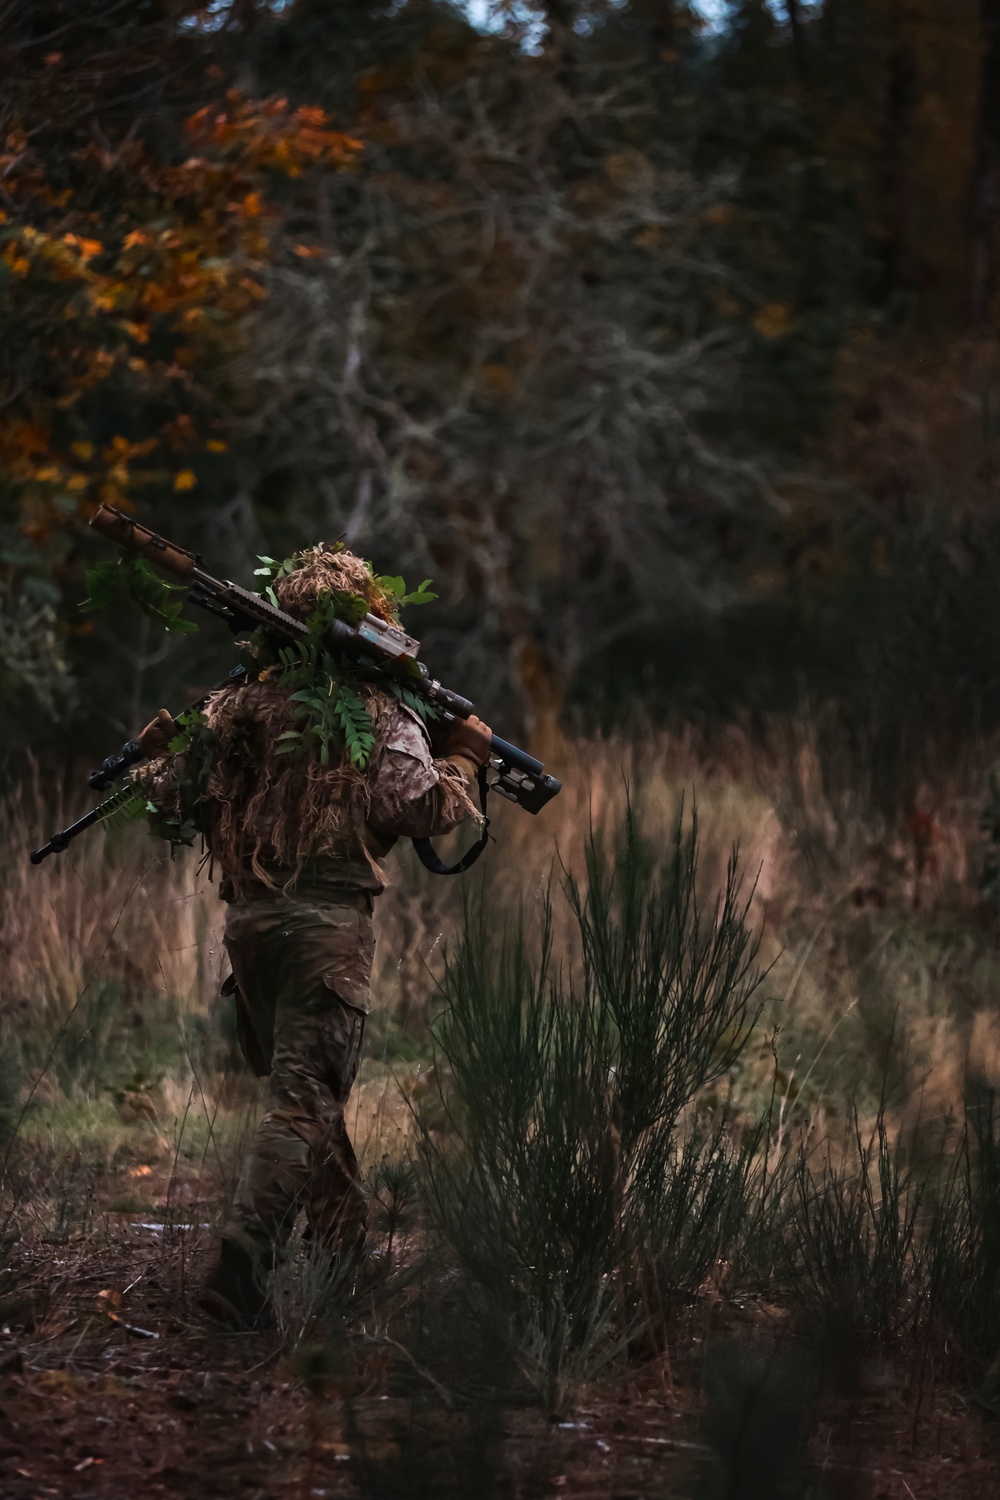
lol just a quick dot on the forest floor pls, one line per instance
(112, 1383)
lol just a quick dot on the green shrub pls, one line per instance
(573, 1186)
(964, 1241)
(855, 1262)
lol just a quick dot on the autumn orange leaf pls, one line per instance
(188, 281)
(773, 320)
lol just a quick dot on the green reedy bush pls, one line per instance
(964, 1239)
(855, 1262)
(574, 1187)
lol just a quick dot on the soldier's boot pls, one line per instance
(235, 1291)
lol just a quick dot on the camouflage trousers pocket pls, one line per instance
(256, 1049)
(316, 1056)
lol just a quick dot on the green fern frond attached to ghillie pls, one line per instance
(411, 700)
(330, 716)
(126, 805)
(356, 724)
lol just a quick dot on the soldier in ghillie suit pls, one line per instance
(298, 804)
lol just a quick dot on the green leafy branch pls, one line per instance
(133, 575)
(273, 570)
(411, 700)
(357, 726)
(126, 805)
(190, 723)
(329, 711)
(339, 604)
(397, 591)
(180, 822)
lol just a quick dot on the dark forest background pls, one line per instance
(670, 354)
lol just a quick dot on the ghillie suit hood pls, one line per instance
(323, 571)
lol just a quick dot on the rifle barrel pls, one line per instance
(59, 841)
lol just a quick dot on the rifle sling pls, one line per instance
(431, 860)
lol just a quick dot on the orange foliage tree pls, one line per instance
(115, 318)
(143, 202)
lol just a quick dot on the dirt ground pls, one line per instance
(112, 1384)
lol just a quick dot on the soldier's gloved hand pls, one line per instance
(157, 734)
(469, 737)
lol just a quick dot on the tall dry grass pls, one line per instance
(879, 959)
(112, 907)
(119, 906)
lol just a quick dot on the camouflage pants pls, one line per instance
(301, 975)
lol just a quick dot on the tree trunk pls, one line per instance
(894, 173)
(798, 41)
(985, 269)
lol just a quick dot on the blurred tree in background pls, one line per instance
(137, 225)
(670, 354)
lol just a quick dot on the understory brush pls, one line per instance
(856, 1263)
(665, 1091)
(311, 1298)
(964, 1243)
(608, 1164)
(575, 1186)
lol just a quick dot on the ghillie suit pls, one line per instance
(298, 825)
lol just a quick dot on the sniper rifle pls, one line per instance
(510, 772)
